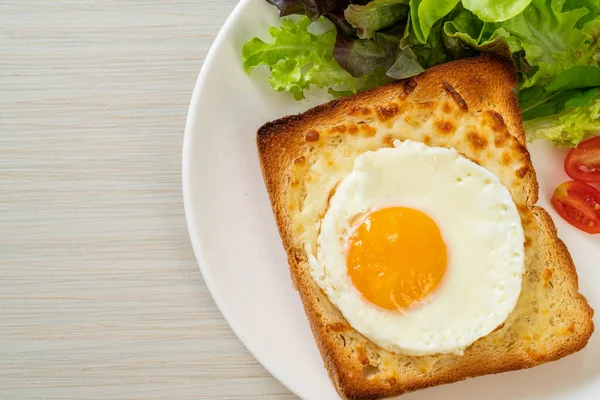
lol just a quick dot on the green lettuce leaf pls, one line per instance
(298, 59)
(569, 127)
(555, 102)
(549, 39)
(376, 15)
(576, 78)
(575, 87)
(495, 10)
(425, 13)
(465, 35)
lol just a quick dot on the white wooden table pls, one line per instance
(100, 295)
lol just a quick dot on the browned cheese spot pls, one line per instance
(477, 141)
(312, 136)
(368, 130)
(495, 120)
(359, 111)
(444, 127)
(505, 160)
(523, 154)
(338, 129)
(427, 140)
(300, 161)
(362, 355)
(409, 86)
(385, 113)
(501, 139)
(337, 327)
(295, 182)
(522, 172)
(462, 104)
(546, 276)
(352, 129)
(446, 108)
(528, 242)
(392, 381)
(330, 163)
(388, 140)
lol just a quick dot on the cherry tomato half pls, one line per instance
(583, 162)
(579, 204)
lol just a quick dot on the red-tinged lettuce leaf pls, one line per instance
(364, 56)
(288, 7)
(314, 9)
(318, 8)
(376, 16)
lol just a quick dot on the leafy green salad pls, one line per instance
(554, 45)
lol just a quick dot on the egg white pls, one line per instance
(480, 225)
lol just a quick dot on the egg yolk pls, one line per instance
(396, 257)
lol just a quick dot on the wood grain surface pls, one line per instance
(100, 294)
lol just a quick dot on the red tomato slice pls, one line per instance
(579, 204)
(583, 162)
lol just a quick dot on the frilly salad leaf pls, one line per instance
(569, 127)
(593, 7)
(298, 59)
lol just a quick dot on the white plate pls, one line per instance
(240, 254)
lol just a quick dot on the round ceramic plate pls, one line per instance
(242, 260)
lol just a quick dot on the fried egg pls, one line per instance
(421, 249)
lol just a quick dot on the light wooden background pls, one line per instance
(100, 295)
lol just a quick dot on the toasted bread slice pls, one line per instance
(467, 105)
